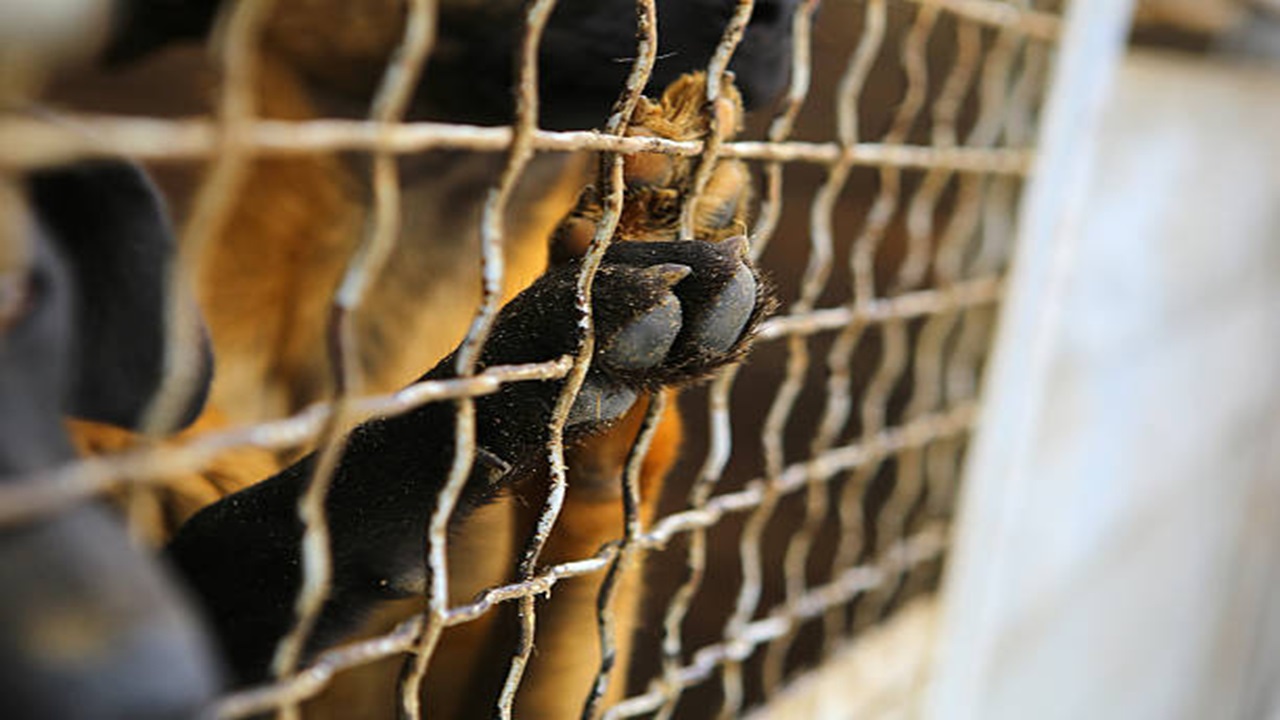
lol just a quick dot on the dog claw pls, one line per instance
(670, 274)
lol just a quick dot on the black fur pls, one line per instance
(139, 27)
(241, 555)
(585, 53)
(111, 227)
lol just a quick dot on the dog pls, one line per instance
(89, 626)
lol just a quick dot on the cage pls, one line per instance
(790, 564)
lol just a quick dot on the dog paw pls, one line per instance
(715, 297)
(669, 309)
(665, 313)
(658, 185)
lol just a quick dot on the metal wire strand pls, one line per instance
(642, 68)
(492, 271)
(784, 122)
(313, 679)
(606, 621)
(937, 379)
(862, 267)
(926, 546)
(857, 487)
(923, 473)
(40, 494)
(940, 466)
(718, 399)
(382, 229)
(716, 77)
(946, 111)
(237, 105)
(611, 184)
(36, 143)
(721, 445)
(1037, 25)
(894, 354)
(815, 278)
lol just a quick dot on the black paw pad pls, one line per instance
(644, 342)
(720, 299)
(601, 402)
(665, 314)
(729, 308)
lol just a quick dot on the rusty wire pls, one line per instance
(719, 419)
(492, 270)
(610, 174)
(946, 288)
(784, 122)
(938, 327)
(895, 342)
(237, 107)
(382, 229)
(611, 189)
(226, 174)
(862, 267)
(716, 78)
(47, 491)
(310, 681)
(38, 143)
(928, 544)
(1026, 21)
(718, 451)
(915, 482)
(626, 549)
(822, 246)
(976, 288)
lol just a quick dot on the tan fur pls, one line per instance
(568, 650)
(266, 284)
(182, 496)
(371, 691)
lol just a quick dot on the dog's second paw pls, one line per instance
(658, 185)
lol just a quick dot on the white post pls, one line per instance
(997, 477)
(1118, 548)
(976, 599)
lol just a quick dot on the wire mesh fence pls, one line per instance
(816, 485)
